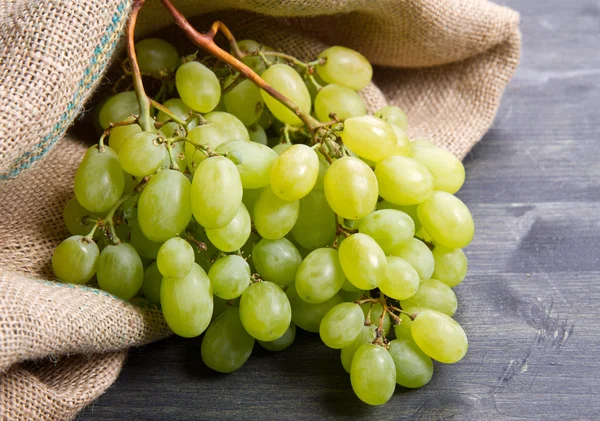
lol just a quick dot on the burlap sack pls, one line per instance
(446, 62)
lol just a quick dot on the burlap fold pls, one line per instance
(446, 62)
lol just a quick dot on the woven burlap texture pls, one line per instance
(446, 62)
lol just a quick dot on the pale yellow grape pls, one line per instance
(403, 329)
(288, 82)
(447, 170)
(345, 67)
(373, 374)
(274, 217)
(230, 124)
(417, 143)
(418, 255)
(256, 161)
(393, 115)
(389, 227)
(403, 146)
(447, 219)
(142, 154)
(120, 134)
(244, 100)
(208, 135)
(234, 235)
(439, 336)
(281, 147)
(177, 107)
(265, 311)
(351, 188)
(363, 261)
(413, 367)
(294, 173)
(198, 86)
(341, 325)
(367, 335)
(401, 280)
(308, 316)
(434, 295)
(315, 226)
(369, 137)
(339, 100)
(403, 181)
(450, 265)
(319, 276)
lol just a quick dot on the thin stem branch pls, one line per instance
(168, 112)
(108, 219)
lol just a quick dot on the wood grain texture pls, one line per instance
(530, 303)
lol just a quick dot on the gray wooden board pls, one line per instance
(529, 304)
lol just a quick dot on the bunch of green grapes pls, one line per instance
(243, 224)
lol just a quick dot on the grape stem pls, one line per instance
(412, 316)
(90, 235)
(107, 131)
(168, 112)
(206, 41)
(199, 244)
(108, 220)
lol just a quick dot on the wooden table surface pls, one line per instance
(530, 303)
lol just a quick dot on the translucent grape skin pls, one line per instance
(439, 336)
(281, 147)
(75, 260)
(376, 311)
(187, 303)
(198, 86)
(216, 192)
(276, 261)
(435, 295)
(410, 210)
(288, 82)
(282, 342)
(145, 247)
(418, 255)
(118, 108)
(229, 276)
(175, 258)
(341, 325)
(177, 107)
(373, 374)
(230, 124)
(120, 134)
(273, 217)
(152, 282)
(315, 226)
(319, 276)
(74, 216)
(447, 170)
(403, 181)
(403, 146)
(367, 335)
(226, 345)
(99, 181)
(413, 367)
(389, 227)
(401, 281)
(447, 219)
(393, 115)
(345, 67)
(294, 172)
(339, 100)
(363, 261)
(450, 265)
(351, 188)
(120, 271)
(265, 311)
(256, 162)
(142, 154)
(369, 137)
(234, 235)
(308, 316)
(209, 135)
(244, 101)
(164, 208)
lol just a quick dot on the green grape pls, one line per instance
(99, 181)
(350, 188)
(393, 115)
(421, 143)
(281, 147)
(339, 100)
(401, 281)
(187, 303)
(234, 235)
(288, 82)
(265, 311)
(118, 108)
(450, 265)
(341, 325)
(209, 135)
(145, 247)
(229, 276)
(244, 101)
(255, 160)
(226, 345)
(366, 336)
(120, 271)
(418, 255)
(254, 61)
(164, 208)
(413, 367)
(250, 197)
(219, 307)
(345, 67)
(369, 137)
(447, 170)
(94, 150)
(447, 220)
(230, 124)
(273, 217)
(308, 316)
(363, 261)
(435, 295)
(152, 282)
(376, 311)
(294, 172)
(315, 226)
(281, 343)
(266, 119)
(276, 261)
(372, 374)
(403, 181)
(142, 154)
(348, 287)
(439, 336)
(257, 134)
(75, 260)
(389, 227)
(410, 210)
(175, 258)
(216, 192)
(178, 153)
(120, 134)
(78, 220)
(198, 86)
(155, 55)
(403, 146)
(177, 107)
(323, 167)
(320, 276)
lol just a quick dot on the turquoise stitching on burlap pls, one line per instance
(74, 106)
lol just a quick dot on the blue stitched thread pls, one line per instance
(56, 133)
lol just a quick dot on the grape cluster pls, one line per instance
(243, 223)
